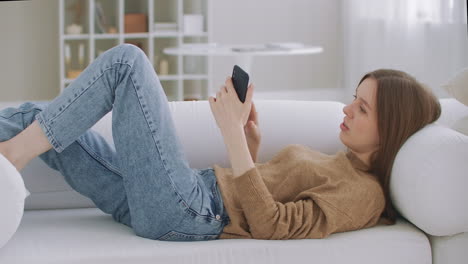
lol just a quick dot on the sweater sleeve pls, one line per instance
(269, 219)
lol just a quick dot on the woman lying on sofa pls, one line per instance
(147, 184)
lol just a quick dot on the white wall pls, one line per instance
(29, 66)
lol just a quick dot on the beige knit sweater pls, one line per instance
(300, 193)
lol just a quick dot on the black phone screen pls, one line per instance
(240, 79)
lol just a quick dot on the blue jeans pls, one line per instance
(145, 182)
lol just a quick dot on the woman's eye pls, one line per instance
(354, 97)
(362, 109)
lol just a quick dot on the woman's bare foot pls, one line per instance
(25, 146)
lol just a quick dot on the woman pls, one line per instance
(147, 184)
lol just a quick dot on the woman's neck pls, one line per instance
(363, 158)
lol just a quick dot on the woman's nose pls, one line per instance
(347, 110)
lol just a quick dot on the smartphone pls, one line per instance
(240, 79)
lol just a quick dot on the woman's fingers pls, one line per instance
(231, 91)
(254, 114)
(249, 96)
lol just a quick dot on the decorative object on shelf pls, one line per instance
(192, 93)
(163, 67)
(165, 27)
(193, 24)
(100, 18)
(73, 74)
(81, 55)
(136, 22)
(67, 56)
(78, 8)
(74, 29)
(112, 30)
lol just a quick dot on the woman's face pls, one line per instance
(360, 133)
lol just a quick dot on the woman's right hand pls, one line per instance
(252, 133)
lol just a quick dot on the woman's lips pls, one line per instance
(344, 127)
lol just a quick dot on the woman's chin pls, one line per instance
(342, 138)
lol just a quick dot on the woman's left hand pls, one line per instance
(230, 113)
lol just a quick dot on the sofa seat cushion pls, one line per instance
(449, 249)
(90, 236)
(456, 86)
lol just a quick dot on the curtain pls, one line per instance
(425, 38)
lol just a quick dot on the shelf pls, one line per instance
(165, 34)
(100, 25)
(106, 36)
(201, 34)
(195, 77)
(136, 35)
(169, 77)
(77, 36)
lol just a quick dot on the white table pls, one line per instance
(242, 53)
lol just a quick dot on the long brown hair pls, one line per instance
(404, 106)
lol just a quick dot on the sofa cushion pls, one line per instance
(449, 249)
(12, 195)
(461, 125)
(90, 236)
(456, 86)
(452, 111)
(428, 182)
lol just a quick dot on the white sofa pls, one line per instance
(61, 226)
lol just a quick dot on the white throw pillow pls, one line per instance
(429, 180)
(12, 195)
(457, 86)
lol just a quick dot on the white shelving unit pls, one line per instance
(188, 77)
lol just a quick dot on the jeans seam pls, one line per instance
(140, 98)
(56, 144)
(152, 136)
(98, 158)
(82, 91)
(48, 133)
(20, 112)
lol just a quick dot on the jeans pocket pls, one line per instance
(179, 236)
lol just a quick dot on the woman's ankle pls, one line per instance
(8, 151)
(28, 144)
